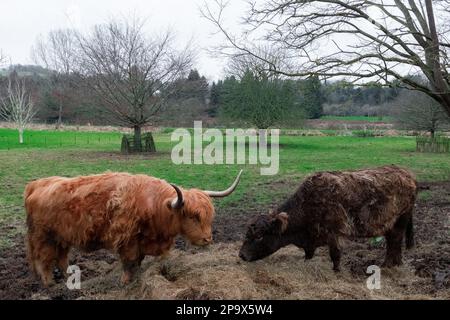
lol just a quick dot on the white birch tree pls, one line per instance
(18, 106)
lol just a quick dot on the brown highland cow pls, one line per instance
(133, 215)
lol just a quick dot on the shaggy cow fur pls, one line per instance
(129, 214)
(331, 205)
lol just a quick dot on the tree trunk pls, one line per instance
(58, 125)
(439, 83)
(137, 139)
(20, 135)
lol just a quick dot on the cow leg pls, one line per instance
(393, 249)
(309, 252)
(335, 254)
(409, 231)
(129, 270)
(62, 260)
(131, 259)
(44, 262)
(394, 239)
(42, 253)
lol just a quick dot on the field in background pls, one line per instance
(50, 139)
(358, 118)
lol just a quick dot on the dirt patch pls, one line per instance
(17, 281)
(335, 124)
(218, 273)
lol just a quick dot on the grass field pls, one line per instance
(358, 118)
(47, 153)
(46, 139)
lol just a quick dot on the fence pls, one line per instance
(148, 144)
(41, 139)
(436, 144)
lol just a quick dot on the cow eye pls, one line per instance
(196, 217)
(259, 238)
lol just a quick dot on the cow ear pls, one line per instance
(280, 222)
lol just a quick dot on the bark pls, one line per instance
(58, 126)
(137, 139)
(439, 83)
(20, 135)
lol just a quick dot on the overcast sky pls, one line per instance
(22, 21)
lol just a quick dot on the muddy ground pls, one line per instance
(217, 272)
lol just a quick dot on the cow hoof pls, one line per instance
(58, 275)
(48, 283)
(125, 279)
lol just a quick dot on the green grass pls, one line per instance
(425, 195)
(97, 152)
(9, 139)
(358, 118)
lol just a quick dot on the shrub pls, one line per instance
(364, 133)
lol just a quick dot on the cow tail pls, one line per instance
(30, 250)
(409, 233)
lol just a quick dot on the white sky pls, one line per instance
(22, 21)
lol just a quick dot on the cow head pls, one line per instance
(263, 237)
(197, 211)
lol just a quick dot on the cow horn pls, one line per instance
(178, 202)
(226, 192)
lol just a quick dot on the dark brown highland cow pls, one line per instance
(133, 215)
(330, 205)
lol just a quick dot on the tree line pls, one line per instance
(251, 99)
(62, 99)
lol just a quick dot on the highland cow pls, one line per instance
(133, 215)
(329, 206)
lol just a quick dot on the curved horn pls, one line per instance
(226, 192)
(178, 202)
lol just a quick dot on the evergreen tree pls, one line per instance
(312, 101)
(258, 101)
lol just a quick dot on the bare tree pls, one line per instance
(132, 73)
(364, 40)
(57, 52)
(417, 111)
(18, 107)
(2, 58)
(240, 63)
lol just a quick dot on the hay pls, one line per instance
(217, 273)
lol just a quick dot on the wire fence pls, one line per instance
(60, 140)
(435, 145)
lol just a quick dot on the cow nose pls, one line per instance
(207, 240)
(242, 256)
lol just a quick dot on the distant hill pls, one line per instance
(26, 70)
